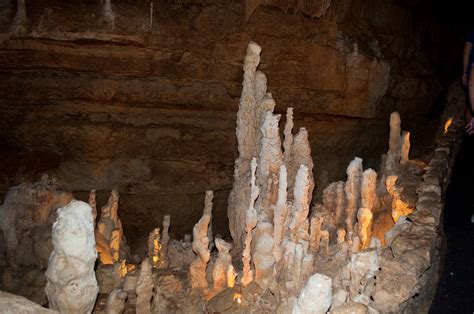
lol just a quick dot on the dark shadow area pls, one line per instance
(455, 292)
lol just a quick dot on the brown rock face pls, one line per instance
(151, 112)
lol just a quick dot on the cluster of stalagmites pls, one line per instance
(312, 259)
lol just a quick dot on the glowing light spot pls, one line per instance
(123, 270)
(238, 298)
(447, 124)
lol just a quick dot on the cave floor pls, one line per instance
(455, 292)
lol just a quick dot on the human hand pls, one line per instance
(470, 127)
(464, 79)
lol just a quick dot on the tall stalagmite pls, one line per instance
(197, 269)
(71, 284)
(250, 223)
(352, 189)
(249, 119)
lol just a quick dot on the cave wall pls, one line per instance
(152, 111)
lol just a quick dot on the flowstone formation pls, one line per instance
(72, 286)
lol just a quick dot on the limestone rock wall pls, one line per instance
(147, 110)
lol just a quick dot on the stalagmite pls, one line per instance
(301, 155)
(263, 258)
(280, 216)
(399, 207)
(270, 160)
(231, 274)
(315, 297)
(369, 189)
(109, 228)
(154, 247)
(340, 204)
(352, 189)
(393, 154)
(71, 284)
(341, 235)
(329, 198)
(144, 288)
(221, 266)
(116, 302)
(364, 218)
(165, 239)
(197, 269)
(288, 141)
(299, 224)
(405, 148)
(247, 133)
(93, 204)
(251, 222)
(324, 244)
(315, 233)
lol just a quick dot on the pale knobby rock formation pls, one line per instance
(12, 303)
(71, 284)
(221, 266)
(263, 257)
(299, 224)
(352, 188)
(269, 162)
(288, 134)
(399, 207)
(315, 233)
(144, 288)
(26, 216)
(315, 297)
(154, 247)
(281, 215)
(340, 205)
(250, 223)
(116, 302)
(197, 269)
(165, 239)
(300, 155)
(405, 147)
(363, 267)
(248, 136)
(109, 233)
(394, 145)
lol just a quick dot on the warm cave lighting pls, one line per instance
(238, 298)
(123, 269)
(156, 252)
(447, 124)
